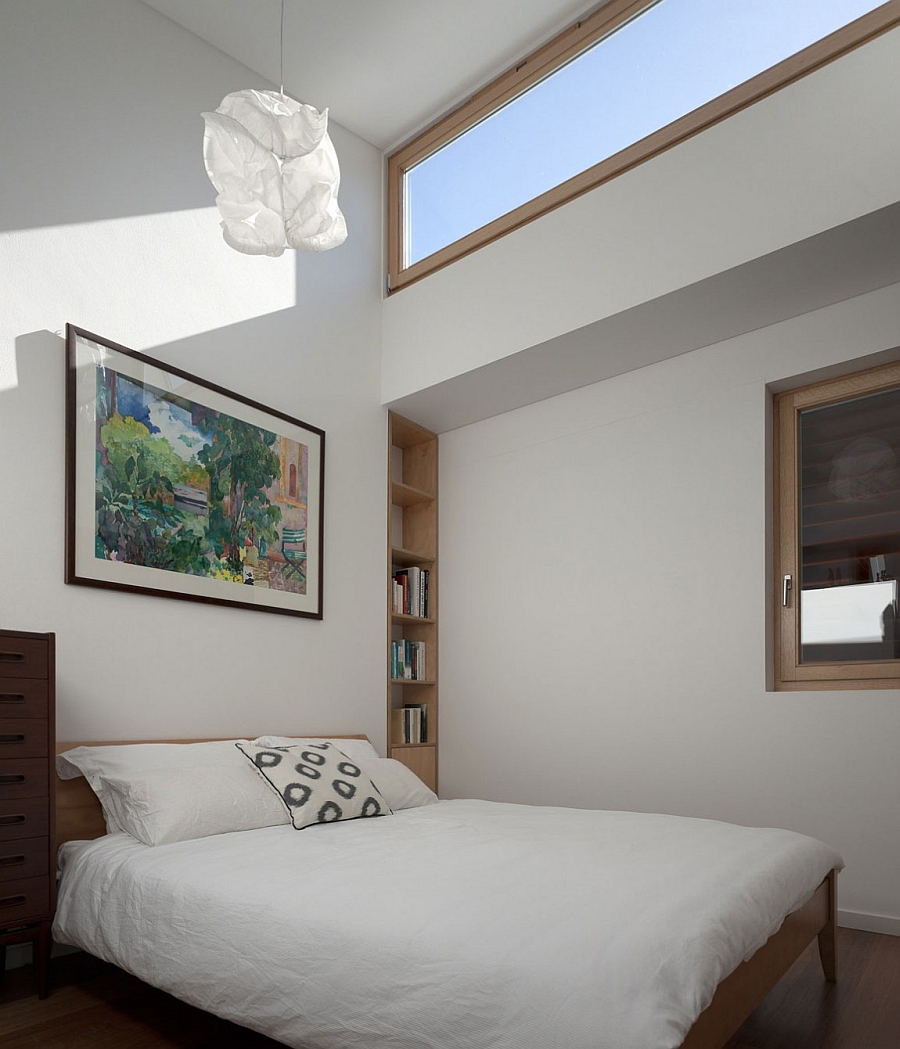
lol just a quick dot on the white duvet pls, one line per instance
(460, 925)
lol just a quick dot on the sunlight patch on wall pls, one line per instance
(143, 280)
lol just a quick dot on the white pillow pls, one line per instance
(401, 787)
(355, 749)
(132, 760)
(166, 805)
(316, 782)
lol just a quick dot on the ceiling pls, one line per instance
(384, 68)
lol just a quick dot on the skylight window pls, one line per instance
(642, 70)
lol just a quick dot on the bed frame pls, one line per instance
(79, 817)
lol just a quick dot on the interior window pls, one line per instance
(839, 526)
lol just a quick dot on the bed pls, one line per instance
(455, 924)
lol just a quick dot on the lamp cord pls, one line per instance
(282, 48)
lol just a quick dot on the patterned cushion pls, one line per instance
(316, 782)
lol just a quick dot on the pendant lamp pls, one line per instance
(275, 171)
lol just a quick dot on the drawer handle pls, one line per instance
(12, 657)
(12, 820)
(12, 737)
(12, 901)
(12, 697)
(12, 861)
(17, 777)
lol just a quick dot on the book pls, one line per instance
(409, 724)
(410, 592)
(418, 728)
(415, 575)
(408, 661)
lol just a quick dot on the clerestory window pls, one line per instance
(631, 80)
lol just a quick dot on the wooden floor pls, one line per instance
(94, 1005)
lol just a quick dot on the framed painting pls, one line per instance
(179, 488)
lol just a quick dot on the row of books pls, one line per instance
(411, 591)
(409, 725)
(408, 660)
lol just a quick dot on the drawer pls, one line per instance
(23, 778)
(23, 738)
(24, 697)
(28, 858)
(24, 818)
(23, 657)
(24, 899)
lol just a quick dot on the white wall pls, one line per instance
(821, 152)
(603, 605)
(107, 220)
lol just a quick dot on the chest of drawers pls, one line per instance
(27, 863)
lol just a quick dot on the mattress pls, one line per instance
(458, 925)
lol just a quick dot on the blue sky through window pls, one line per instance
(673, 58)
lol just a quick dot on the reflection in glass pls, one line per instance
(850, 530)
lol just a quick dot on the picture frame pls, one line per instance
(176, 487)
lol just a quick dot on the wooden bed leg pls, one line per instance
(828, 935)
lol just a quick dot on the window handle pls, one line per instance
(786, 584)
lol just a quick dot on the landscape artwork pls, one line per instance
(195, 492)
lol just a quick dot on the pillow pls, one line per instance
(399, 785)
(132, 760)
(316, 782)
(166, 805)
(355, 749)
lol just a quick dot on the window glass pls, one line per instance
(850, 530)
(674, 57)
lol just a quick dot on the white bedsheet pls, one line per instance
(460, 925)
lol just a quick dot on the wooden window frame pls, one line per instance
(790, 673)
(546, 60)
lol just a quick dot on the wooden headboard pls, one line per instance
(78, 813)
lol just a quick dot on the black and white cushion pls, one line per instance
(316, 782)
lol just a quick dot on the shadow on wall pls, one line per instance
(39, 373)
(37, 356)
(32, 473)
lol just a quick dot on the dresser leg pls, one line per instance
(42, 947)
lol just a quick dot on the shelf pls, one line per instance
(407, 558)
(405, 495)
(405, 433)
(876, 526)
(412, 486)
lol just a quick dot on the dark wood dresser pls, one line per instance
(27, 832)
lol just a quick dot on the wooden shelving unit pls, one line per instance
(412, 542)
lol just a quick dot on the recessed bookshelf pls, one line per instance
(412, 598)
